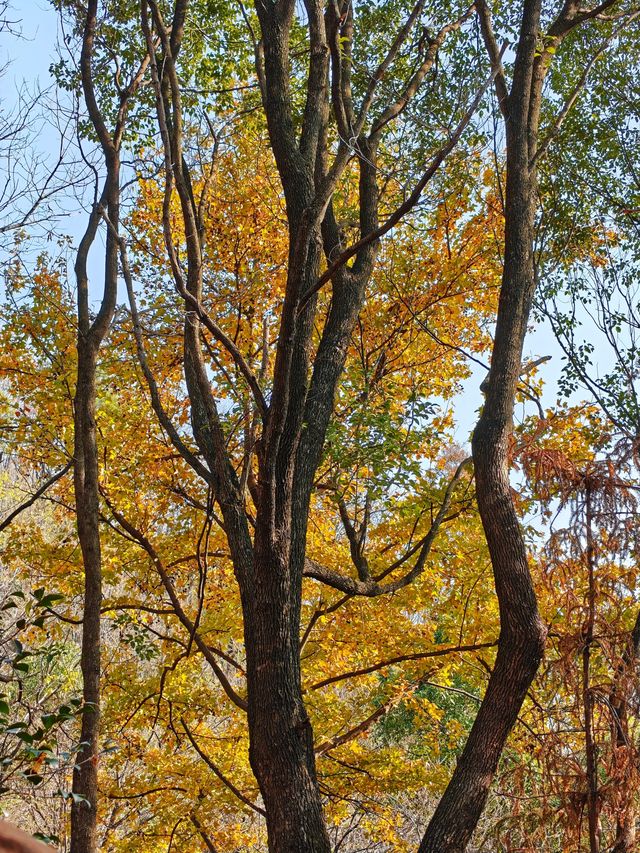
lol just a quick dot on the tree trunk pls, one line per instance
(85, 774)
(281, 739)
(590, 745)
(91, 333)
(626, 832)
(87, 497)
(268, 564)
(522, 634)
(625, 841)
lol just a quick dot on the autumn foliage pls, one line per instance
(337, 540)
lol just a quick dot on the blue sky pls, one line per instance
(26, 55)
(31, 54)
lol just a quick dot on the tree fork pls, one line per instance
(91, 333)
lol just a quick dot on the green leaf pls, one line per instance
(14, 728)
(25, 737)
(49, 600)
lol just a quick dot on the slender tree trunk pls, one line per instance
(590, 746)
(87, 497)
(85, 775)
(522, 634)
(91, 333)
(625, 840)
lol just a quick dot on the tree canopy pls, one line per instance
(304, 545)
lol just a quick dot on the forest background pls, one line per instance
(259, 588)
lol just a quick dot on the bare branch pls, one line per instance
(156, 402)
(37, 494)
(338, 740)
(439, 157)
(221, 776)
(372, 587)
(484, 16)
(395, 109)
(381, 70)
(231, 348)
(204, 648)
(434, 653)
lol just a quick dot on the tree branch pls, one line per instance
(495, 55)
(221, 776)
(575, 93)
(381, 70)
(437, 160)
(372, 587)
(37, 494)
(395, 109)
(338, 740)
(367, 670)
(206, 651)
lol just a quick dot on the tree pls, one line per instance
(269, 564)
(91, 333)
(269, 569)
(287, 364)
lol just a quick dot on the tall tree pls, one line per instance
(522, 633)
(270, 559)
(91, 333)
(268, 550)
(347, 133)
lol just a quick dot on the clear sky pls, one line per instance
(30, 55)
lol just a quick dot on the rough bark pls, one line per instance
(625, 840)
(281, 738)
(522, 634)
(591, 754)
(269, 560)
(86, 484)
(269, 565)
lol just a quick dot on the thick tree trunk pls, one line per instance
(281, 738)
(519, 651)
